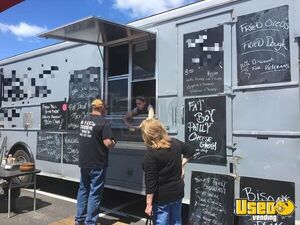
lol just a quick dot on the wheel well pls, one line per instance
(24, 147)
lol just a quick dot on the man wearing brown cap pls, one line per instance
(94, 142)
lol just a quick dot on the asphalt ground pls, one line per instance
(48, 210)
(56, 201)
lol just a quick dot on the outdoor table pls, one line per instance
(8, 175)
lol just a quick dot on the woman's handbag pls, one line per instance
(149, 220)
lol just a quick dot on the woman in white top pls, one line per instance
(142, 107)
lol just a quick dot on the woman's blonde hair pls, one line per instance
(154, 134)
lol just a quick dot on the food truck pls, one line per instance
(222, 75)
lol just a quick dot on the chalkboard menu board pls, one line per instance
(205, 129)
(54, 116)
(203, 62)
(84, 86)
(263, 51)
(254, 189)
(71, 148)
(211, 200)
(48, 147)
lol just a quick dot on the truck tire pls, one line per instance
(22, 156)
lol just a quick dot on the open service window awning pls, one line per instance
(93, 30)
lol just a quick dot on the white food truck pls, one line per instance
(222, 75)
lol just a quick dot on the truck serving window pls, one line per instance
(117, 80)
(144, 88)
(118, 60)
(117, 96)
(131, 73)
(143, 59)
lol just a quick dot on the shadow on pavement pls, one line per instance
(23, 204)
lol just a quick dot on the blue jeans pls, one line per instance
(89, 196)
(167, 214)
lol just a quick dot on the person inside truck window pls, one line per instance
(142, 107)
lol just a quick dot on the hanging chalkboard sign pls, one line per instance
(263, 49)
(84, 86)
(76, 110)
(54, 116)
(71, 149)
(48, 147)
(203, 62)
(211, 200)
(255, 189)
(205, 129)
